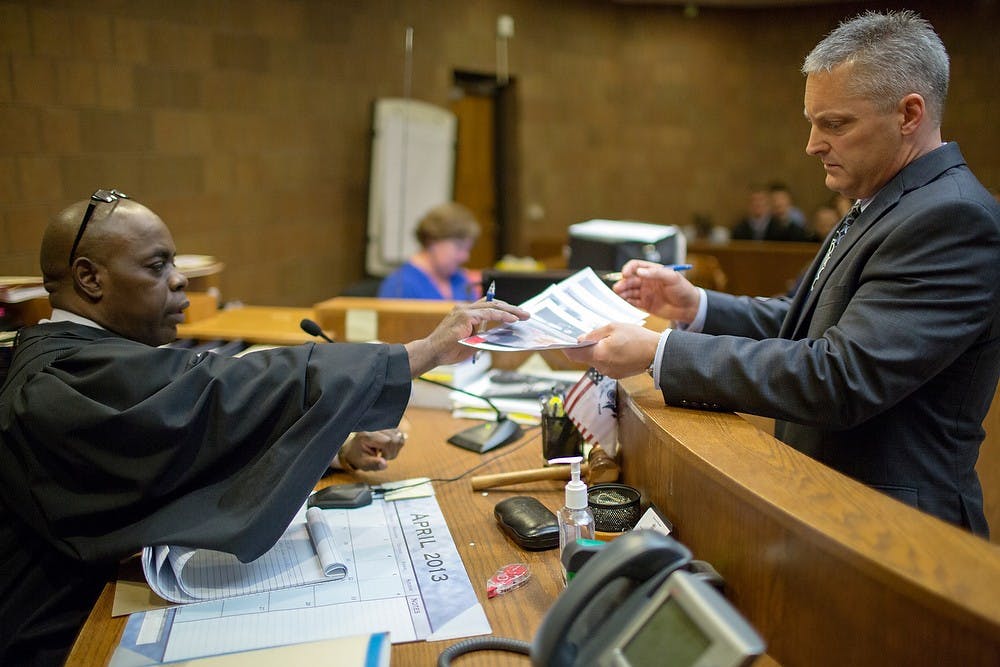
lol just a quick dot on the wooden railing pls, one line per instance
(829, 571)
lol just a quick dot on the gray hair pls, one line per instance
(894, 54)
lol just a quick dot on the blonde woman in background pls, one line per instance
(446, 235)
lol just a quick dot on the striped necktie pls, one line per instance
(839, 234)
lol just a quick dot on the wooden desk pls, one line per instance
(269, 325)
(392, 320)
(483, 548)
(758, 268)
(829, 571)
(30, 311)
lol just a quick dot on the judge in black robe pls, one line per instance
(110, 444)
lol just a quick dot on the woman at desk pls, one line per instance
(446, 235)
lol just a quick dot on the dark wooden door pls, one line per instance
(475, 170)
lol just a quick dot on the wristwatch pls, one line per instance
(651, 370)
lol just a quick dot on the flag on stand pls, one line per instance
(592, 406)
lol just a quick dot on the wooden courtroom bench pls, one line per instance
(758, 268)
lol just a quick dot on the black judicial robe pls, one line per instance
(109, 445)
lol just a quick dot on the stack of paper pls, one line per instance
(427, 395)
(525, 409)
(15, 289)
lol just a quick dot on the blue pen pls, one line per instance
(491, 292)
(617, 275)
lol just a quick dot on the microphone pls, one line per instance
(314, 329)
(487, 436)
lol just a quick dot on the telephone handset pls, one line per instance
(633, 605)
(603, 585)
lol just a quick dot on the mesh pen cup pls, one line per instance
(616, 507)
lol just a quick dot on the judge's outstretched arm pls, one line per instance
(442, 346)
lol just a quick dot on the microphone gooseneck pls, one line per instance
(483, 437)
(500, 415)
(314, 329)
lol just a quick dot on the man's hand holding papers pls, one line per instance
(560, 315)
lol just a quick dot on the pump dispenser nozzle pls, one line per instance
(576, 489)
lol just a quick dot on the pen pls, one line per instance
(491, 292)
(617, 275)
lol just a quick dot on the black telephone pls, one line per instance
(603, 585)
(633, 604)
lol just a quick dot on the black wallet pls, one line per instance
(528, 522)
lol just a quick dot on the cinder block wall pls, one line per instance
(246, 124)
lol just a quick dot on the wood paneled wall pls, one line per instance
(246, 125)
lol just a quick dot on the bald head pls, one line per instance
(122, 275)
(57, 242)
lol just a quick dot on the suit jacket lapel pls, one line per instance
(915, 175)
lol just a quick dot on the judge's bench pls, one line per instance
(829, 571)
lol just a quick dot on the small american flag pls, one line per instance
(592, 406)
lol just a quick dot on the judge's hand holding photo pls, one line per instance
(442, 346)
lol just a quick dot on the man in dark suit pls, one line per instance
(884, 362)
(757, 224)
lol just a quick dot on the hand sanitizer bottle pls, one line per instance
(576, 520)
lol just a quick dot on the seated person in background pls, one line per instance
(446, 235)
(824, 219)
(841, 204)
(760, 223)
(110, 443)
(785, 212)
(756, 225)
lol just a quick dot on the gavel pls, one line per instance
(598, 468)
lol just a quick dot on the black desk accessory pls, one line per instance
(313, 329)
(341, 497)
(486, 436)
(529, 523)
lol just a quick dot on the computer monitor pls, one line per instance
(516, 287)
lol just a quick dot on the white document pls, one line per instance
(305, 554)
(405, 577)
(559, 315)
